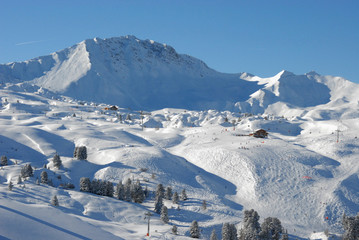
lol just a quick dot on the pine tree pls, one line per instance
(184, 195)
(160, 190)
(95, 187)
(37, 181)
(54, 201)
(174, 230)
(164, 214)
(168, 193)
(175, 198)
(85, 184)
(158, 204)
(44, 177)
(233, 232)
(138, 194)
(271, 228)
(120, 191)
(128, 190)
(82, 153)
(128, 117)
(3, 161)
(226, 233)
(26, 171)
(213, 235)
(251, 226)
(109, 188)
(194, 231)
(10, 186)
(56, 160)
(351, 227)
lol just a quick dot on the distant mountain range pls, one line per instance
(143, 74)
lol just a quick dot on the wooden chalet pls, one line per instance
(261, 133)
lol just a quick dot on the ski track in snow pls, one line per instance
(35, 143)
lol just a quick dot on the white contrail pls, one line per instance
(30, 42)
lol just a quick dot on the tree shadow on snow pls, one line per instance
(187, 216)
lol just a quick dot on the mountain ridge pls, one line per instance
(144, 74)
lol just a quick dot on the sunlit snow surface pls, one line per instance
(300, 173)
(305, 172)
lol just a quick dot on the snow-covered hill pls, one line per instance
(305, 173)
(299, 174)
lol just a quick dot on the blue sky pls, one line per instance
(261, 37)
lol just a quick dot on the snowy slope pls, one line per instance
(309, 95)
(299, 174)
(146, 75)
(305, 173)
(133, 73)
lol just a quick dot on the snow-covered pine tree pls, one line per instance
(10, 186)
(95, 187)
(351, 227)
(168, 193)
(174, 230)
(164, 214)
(56, 160)
(109, 188)
(271, 228)
(158, 204)
(26, 171)
(194, 231)
(160, 190)
(102, 188)
(120, 191)
(226, 233)
(251, 226)
(85, 184)
(44, 177)
(175, 198)
(128, 184)
(81, 153)
(213, 235)
(138, 194)
(37, 181)
(3, 161)
(233, 231)
(54, 201)
(184, 195)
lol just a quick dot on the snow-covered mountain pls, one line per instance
(305, 172)
(146, 75)
(131, 73)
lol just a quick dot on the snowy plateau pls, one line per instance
(177, 123)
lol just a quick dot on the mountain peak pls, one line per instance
(285, 73)
(312, 73)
